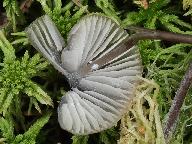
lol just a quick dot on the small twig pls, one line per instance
(177, 103)
(145, 4)
(3, 19)
(78, 3)
(25, 5)
(142, 3)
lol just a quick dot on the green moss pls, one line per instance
(26, 82)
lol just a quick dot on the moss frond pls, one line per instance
(29, 137)
(64, 17)
(16, 76)
(142, 122)
(80, 139)
(13, 12)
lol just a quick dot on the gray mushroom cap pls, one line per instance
(102, 87)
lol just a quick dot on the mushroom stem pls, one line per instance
(143, 33)
(178, 100)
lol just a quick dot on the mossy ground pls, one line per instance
(29, 94)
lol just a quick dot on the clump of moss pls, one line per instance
(142, 122)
